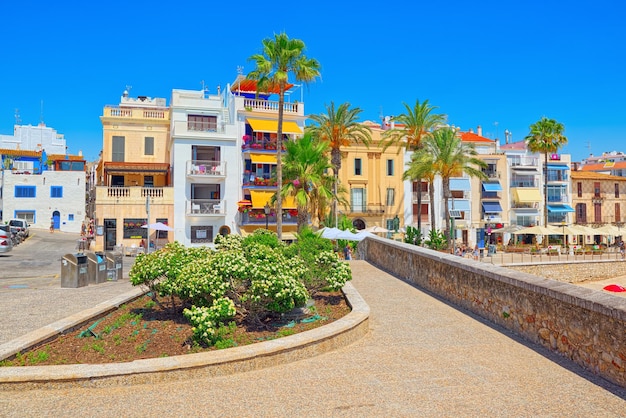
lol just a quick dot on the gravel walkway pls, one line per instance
(421, 358)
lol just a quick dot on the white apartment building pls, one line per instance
(205, 153)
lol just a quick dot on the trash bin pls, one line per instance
(114, 262)
(74, 270)
(491, 250)
(97, 267)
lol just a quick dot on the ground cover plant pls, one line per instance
(247, 290)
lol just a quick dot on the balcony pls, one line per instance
(558, 199)
(425, 197)
(136, 113)
(491, 174)
(370, 209)
(206, 207)
(524, 205)
(259, 105)
(205, 171)
(181, 128)
(522, 162)
(257, 217)
(134, 195)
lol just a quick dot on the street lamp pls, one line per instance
(267, 210)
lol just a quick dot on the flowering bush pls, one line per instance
(254, 277)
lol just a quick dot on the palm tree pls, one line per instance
(304, 172)
(545, 136)
(450, 157)
(281, 57)
(421, 168)
(414, 126)
(340, 128)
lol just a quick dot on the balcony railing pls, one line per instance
(524, 162)
(523, 183)
(558, 199)
(492, 174)
(181, 128)
(134, 195)
(425, 197)
(368, 209)
(136, 113)
(206, 207)
(270, 106)
(258, 218)
(524, 205)
(206, 168)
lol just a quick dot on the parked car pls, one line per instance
(6, 244)
(20, 225)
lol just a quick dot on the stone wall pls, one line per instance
(581, 324)
(574, 272)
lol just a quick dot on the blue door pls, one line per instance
(56, 217)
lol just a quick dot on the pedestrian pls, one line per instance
(347, 252)
(621, 248)
(475, 253)
(51, 224)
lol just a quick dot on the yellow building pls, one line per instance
(373, 181)
(133, 174)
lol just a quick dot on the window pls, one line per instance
(27, 215)
(390, 167)
(357, 200)
(56, 191)
(202, 123)
(596, 189)
(25, 191)
(148, 145)
(618, 214)
(617, 190)
(597, 213)
(357, 167)
(579, 185)
(581, 213)
(391, 196)
(148, 181)
(70, 216)
(201, 234)
(117, 149)
(133, 228)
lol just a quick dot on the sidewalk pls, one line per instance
(422, 357)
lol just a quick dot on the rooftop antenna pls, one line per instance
(18, 120)
(496, 124)
(240, 69)
(589, 147)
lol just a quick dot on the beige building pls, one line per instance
(133, 176)
(373, 179)
(598, 198)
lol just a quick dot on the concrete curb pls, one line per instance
(337, 334)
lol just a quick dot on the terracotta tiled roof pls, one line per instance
(472, 137)
(591, 175)
(519, 145)
(59, 157)
(610, 165)
(19, 153)
(242, 84)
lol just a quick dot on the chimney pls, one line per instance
(479, 130)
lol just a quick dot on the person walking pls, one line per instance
(52, 225)
(347, 252)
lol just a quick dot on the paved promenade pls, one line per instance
(422, 357)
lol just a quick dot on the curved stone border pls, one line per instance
(300, 346)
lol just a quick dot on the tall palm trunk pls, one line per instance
(279, 166)
(446, 199)
(419, 205)
(335, 160)
(431, 196)
(545, 196)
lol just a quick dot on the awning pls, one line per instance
(263, 158)
(491, 207)
(459, 204)
(492, 187)
(527, 195)
(557, 167)
(560, 208)
(261, 197)
(131, 168)
(271, 126)
(462, 184)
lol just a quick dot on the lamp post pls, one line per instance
(267, 210)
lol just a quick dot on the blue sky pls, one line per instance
(481, 63)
